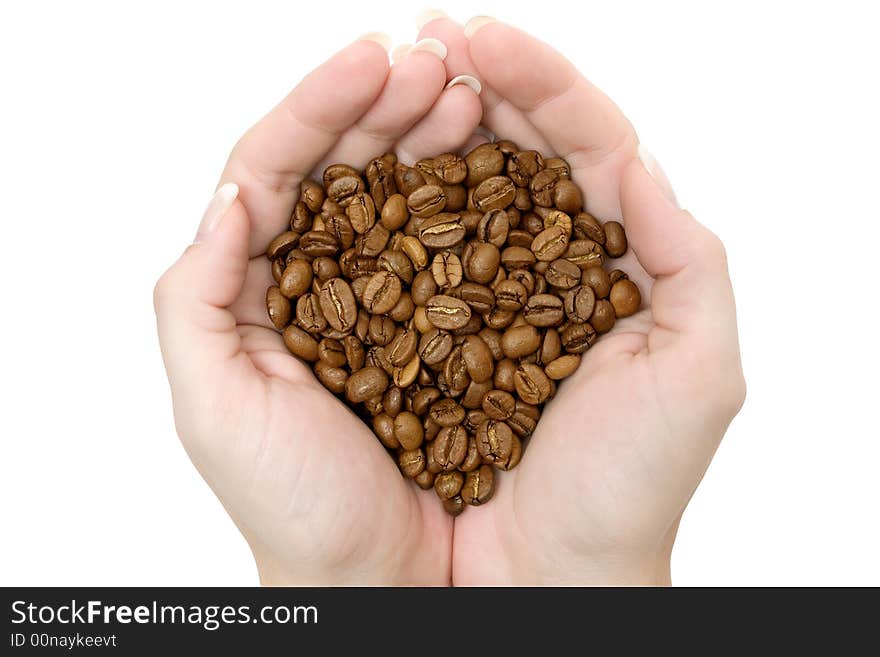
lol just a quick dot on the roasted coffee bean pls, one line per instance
(367, 382)
(446, 312)
(446, 270)
(338, 304)
(435, 346)
(494, 193)
(597, 278)
(563, 274)
(381, 293)
(473, 396)
(551, 347)
(477, 358)
(282, 244)
(585, 254)
(494, 441)
(625, 298)
(479, 297)
(381, 330)
(615, 239)
(301, 219)
(278, 266)
(392, 401)
(479, 485)
(424, 286)
(499, 404)
(499, 319)
(586, 226)
(519, 341)
(577, 338)
(297, 279)
(567, 197)
(448, 484)
(300, 343)
(454, 505)
(550, 243)
(441, 231)
(517, 257)
(278, 307)
(383, 427)
(407, 179)
(402, 348)
(483, 162)
(335, 379)
(603, 316)
(542, 185)
(562, 367)
(331, 352)
(450, 447)
(494, 227)
(408, 430)
(480, 261)
(361, 212)
(309, 315)
(532, 385)
(394, 213)
(340, 227)
(579, 303)
(553, 218)
(522, 166)
(345, 188)
(455, 372)
(324, 268)
(415, 251)
(425, 481)
(426, 201)
(449, 168)
(318, 243)
(447, 412)
(373, 242)
(510, 295)
(543, 310)
(411, 462)
(423, 399)
(397, 263)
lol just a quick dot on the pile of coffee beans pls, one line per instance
(444, 301)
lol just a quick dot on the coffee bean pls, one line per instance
(435, 346)
(479, 485)
(338, 304)
(331, 352)
(441, 231)
(517, 257)
(383, 427)
(300, 343)
(373, 242)
(381, 293)
(532, 385)
(318, 243)
(494, 227)
(278, 307)
(405, 375)
(499, 404)
(447, 484)
(562, 367)
(425, 480)
(282, 244)
(367, 382)
(334, 379)
(446, 312)
(395, 213)
(494, 193)
(523, 165)
(423, 287)
(519, 341)
(541, 187)
(309, 315)
(473, 395)
(480, 298)
(494, 441)
(392, 401)
(585, 254)
(603, 316)
(402, 348)
(579, 303)
(563, 274)
(472, 459)
(408, 430)
(454, 506)
(426, 201)
(477, 358)
(447, 412)
(567, 196)
(455, 372)
(483, 162)
(411, 462)
(510, 294)
(450, 447)
(413, 248)
(543, 310)
(577, 338)
(615, 239)
(597, 278)
(625, 298)
(550, 243)
(480, 261)
(446, 270)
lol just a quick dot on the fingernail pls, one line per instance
(431, 45)
(656, 172)
(378, 37)
(466, 80)
(217, 207)
(474, 24)
(429, 15)
(400, 52)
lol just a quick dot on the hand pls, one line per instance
(618, 453)
(309, 486)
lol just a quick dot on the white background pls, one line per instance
(116, 119)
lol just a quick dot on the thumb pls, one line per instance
(692, 293)
(196, 332)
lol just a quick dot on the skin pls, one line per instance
(601, 488)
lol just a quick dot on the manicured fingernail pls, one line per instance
(468, 81)
(429, 15)
(431, 45)
(378, 37)
(474, 24)
(400, 52)
(656, 172)
(217, 207)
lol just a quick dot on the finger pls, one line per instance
(498, 114)
(579, 122)
(196, 332)
(692, 294)
(452, 119)
(414, 84)
(273, 157)
(250, 305)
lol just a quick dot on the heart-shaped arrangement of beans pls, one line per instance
(444, 301)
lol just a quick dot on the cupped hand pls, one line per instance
(621, 448)
(308, 485)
